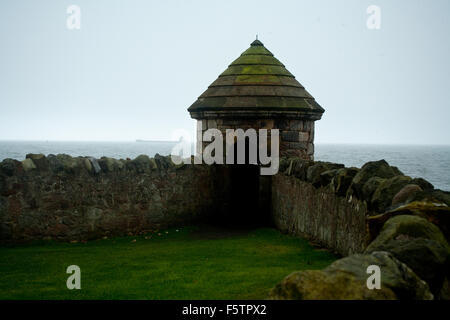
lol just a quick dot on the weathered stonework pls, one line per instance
(257, 92)
(296, 136)
(67, 198)
(319, 215)
(339, 208)
(324, 202)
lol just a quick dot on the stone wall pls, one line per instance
(336, 206)
(319, 215)
(296, 136)
(67, 198)
(374, 216)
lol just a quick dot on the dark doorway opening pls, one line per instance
(244, 202)
(247, 208)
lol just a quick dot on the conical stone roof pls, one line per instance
(254, 82)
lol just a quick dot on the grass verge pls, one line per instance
(187, 263)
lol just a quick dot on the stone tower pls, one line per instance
(257, 91)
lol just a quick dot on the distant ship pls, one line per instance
(157, 141)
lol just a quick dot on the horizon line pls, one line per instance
(174, 141)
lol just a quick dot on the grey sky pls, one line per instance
(135, 66)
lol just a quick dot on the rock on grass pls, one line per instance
(346, 279)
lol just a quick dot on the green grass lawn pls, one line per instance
(191, 263)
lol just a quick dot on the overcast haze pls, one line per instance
(134, 67)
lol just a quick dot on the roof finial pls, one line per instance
(256, 36)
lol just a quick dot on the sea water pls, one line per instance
(426, 161)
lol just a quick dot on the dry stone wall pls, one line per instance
(68, 198)
(318, 214)
(337, 207)
(374, 216)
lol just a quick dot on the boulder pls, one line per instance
(28, 165)
(163, 163)
(54, 163)
(153, 164)
(441, 196)
(347, 279)
(39, 160)
(372, 169)
(119, 164)
(342, 180)
(68, 163)
(110, 164)
(92, 165)
(410, 225)
(319, 285)
(383, 195)
(406, 194)
(370, 186)
(434, 212)
(395, 275)
(95, 165)
(422, 183)
(35, 156)
(103, 165)
(80, 167)
(299, 168)
(142, 163)
(313, 172)
(88, 165)
(123, 163)
(327, 176)
(433, 196)
(444, 294)
(429, 259)
(10, 167)
(283, 166)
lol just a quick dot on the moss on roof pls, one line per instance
(256, 81)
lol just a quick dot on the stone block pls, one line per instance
(310, 149)
(281, 124)
(303, 136)
(284, 145)
(266, 124)
(142, 163)
(307, 125)
(28, 164)
(289, 136)
(54, 163)
(9, 166)
(296, 125)
(298, 145)
(39, 160)
(87, 164)
(68, 163)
